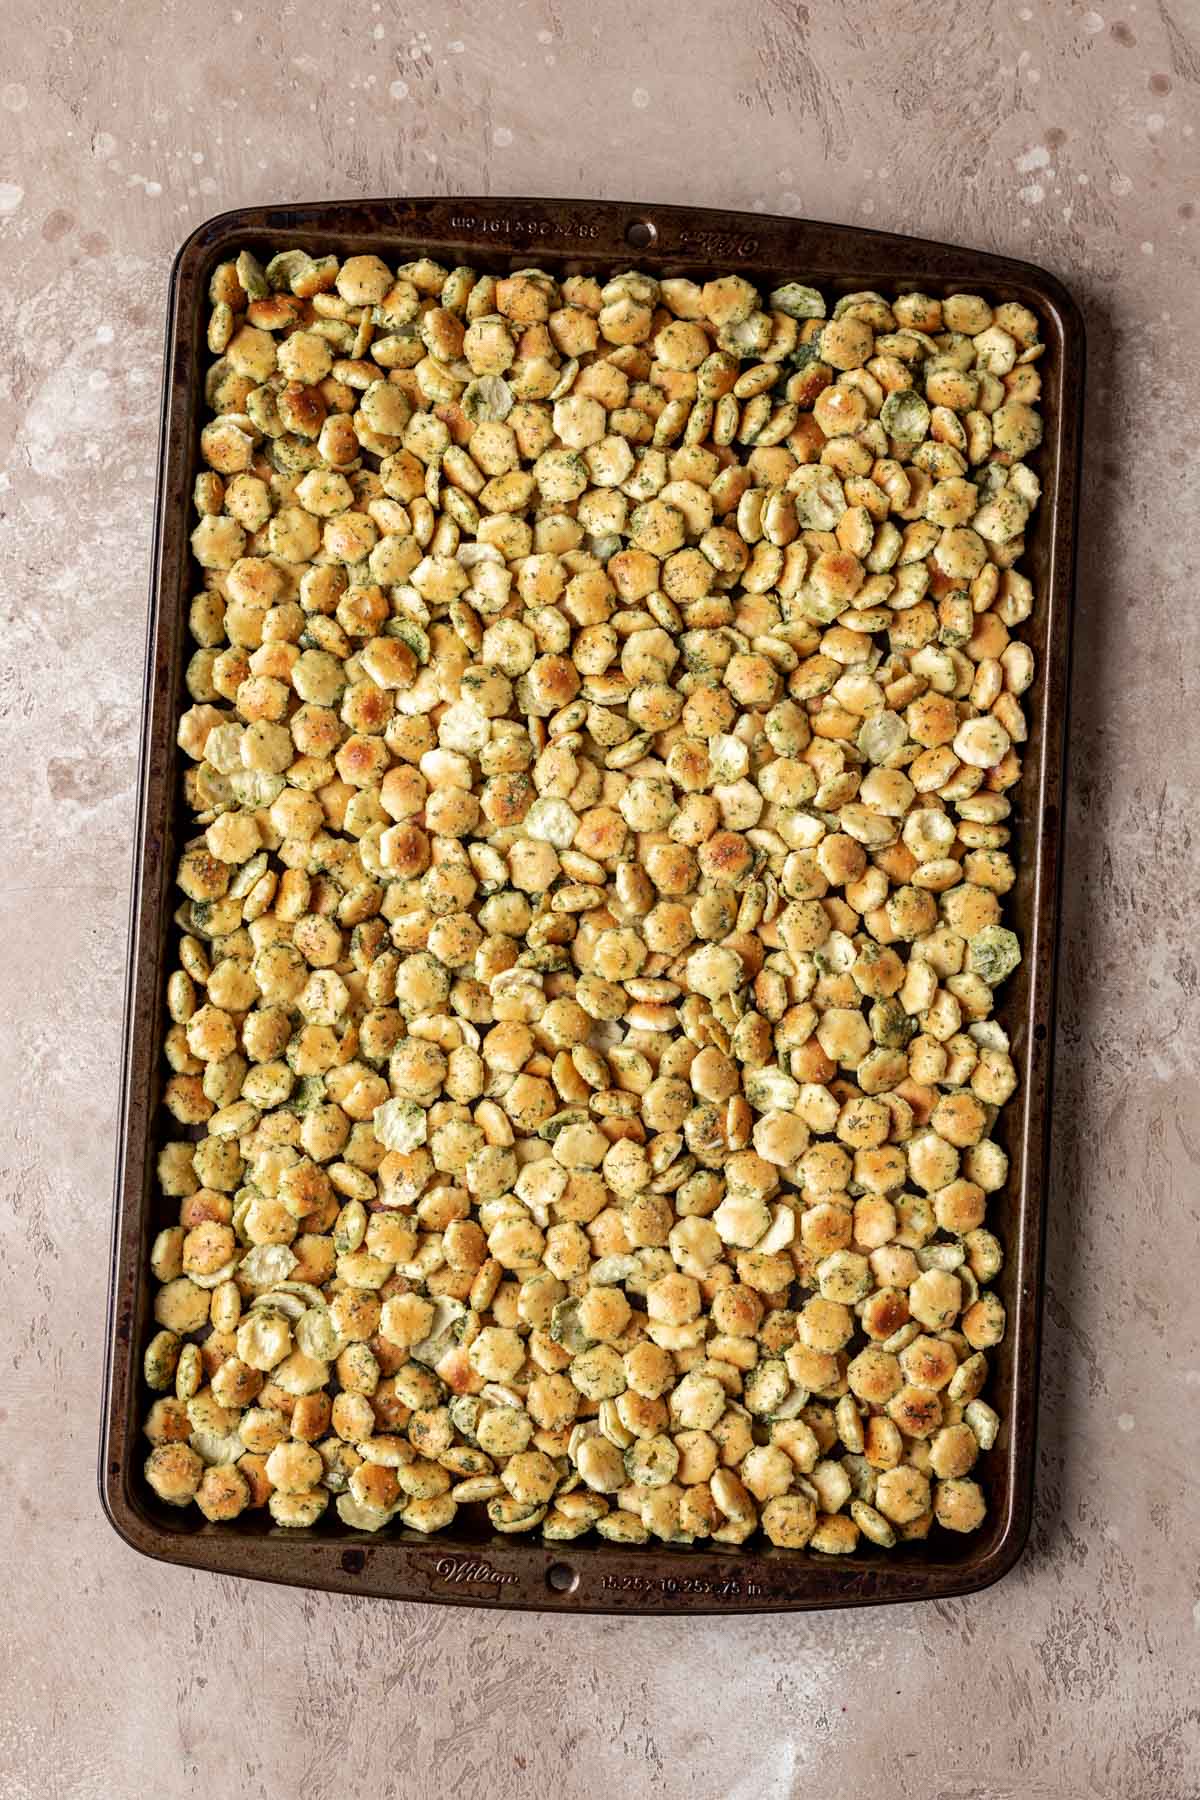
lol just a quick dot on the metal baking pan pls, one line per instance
(468, 1565)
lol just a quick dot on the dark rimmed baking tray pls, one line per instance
(471, 1566)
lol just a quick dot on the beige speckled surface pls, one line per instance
(1046, 130)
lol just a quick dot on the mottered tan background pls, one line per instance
(1049, 130)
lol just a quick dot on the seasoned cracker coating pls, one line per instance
(606, 701)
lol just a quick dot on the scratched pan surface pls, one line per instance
(470, 1565)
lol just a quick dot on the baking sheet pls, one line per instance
(469, 1566)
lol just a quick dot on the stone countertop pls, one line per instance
(1055, 132)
